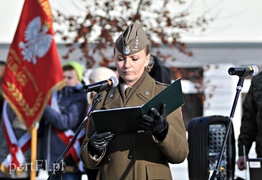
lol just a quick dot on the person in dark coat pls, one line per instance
(160, 72)
(61, 119)
(251, 122)
(2, 70)
(144, 155)
(13, 131)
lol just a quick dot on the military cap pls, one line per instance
(132, 40)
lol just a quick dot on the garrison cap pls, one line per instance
(132, 40)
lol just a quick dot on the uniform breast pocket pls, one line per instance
(158, 172)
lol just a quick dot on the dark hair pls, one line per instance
(2, 63)
(147, 49)
(68, 68)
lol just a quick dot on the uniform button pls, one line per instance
(108, 159)
(130, 156)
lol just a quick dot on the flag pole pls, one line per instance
(33, 152)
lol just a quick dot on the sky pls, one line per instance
(234, 20)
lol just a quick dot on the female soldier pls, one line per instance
(138, 155)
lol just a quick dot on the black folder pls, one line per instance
(125, 120)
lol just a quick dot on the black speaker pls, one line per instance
(205, 139)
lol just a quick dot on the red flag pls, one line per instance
(33, 70)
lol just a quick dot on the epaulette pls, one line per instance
(160, 83)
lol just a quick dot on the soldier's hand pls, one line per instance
(156, 123)
(98, 142)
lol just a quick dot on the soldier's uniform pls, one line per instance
(137, 155)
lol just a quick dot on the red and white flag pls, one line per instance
(33, 70)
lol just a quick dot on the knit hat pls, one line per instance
(78, 68)
(100, 74)
(132, 40)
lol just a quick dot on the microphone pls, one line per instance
(243, 71)
(102, 85)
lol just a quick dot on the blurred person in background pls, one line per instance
(96, 75)
(12, 131)
(61, 119)
(2, 70)
(99, 74)
(251, 122)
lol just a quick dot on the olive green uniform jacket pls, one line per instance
(251, 122)
(137, 156)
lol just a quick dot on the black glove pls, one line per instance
(156, 123)
(98, 142)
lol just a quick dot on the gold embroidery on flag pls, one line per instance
(23, 75)
(46, 7)
(29, 111)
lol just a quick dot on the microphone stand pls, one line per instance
(217, 173)
(60, 164)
